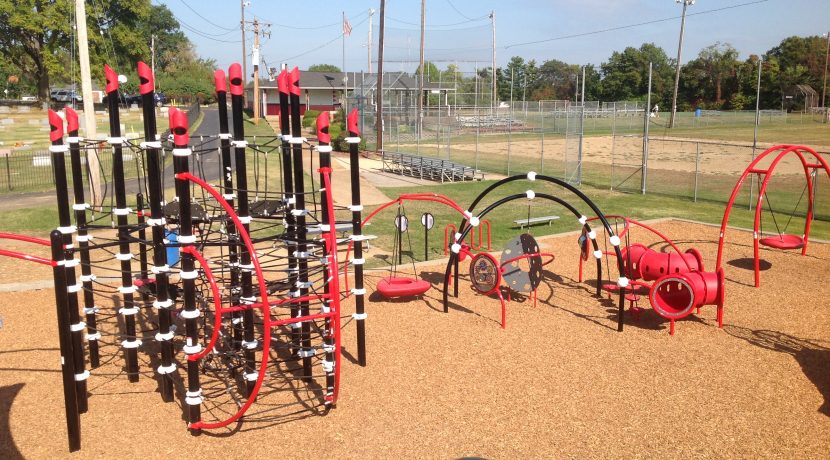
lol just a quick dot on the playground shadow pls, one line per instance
(8, 449)
(748, 263)
(813, 358)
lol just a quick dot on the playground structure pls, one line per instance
(762, 167)
(255, 303)
(675, 282)
(255, 291)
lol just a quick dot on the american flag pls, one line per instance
(347, 28)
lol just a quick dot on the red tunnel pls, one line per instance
(676, 295)
(641, 262)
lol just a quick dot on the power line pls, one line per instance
(434, 26)
(459, 12)
(234, 29)
(630, 26)
(340, 35)
(324, 26)
(197, 31)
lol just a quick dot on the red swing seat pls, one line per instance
(398, 286)
(783, 241)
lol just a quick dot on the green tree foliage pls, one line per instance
(36, 36)
(323, 68)
(188, 77)
(625, 75)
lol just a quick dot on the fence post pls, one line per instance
(478, 131)
(697, 167)
(644, 167)
(613, 143)
(8, 171)
(542, 130)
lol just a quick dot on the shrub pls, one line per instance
(310, 117)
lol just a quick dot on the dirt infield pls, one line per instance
(673, 154)
(559, 381)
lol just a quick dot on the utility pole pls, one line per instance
(379, 86)
(346, 32)
(242, 5)
(369, 43)
(153, 58)
(686, 3)
(89, 108)
(421, 69)
(493, 23)
(258, 29)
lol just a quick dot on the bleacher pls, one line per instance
(428, 168)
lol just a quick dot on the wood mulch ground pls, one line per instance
(559, 381)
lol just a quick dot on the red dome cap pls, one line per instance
(235, 73)
(146, 83)
(71, 120)
(56, 126)
(178, 126)
(294, 80)
(112, 79)
(323, 135)
(219, 81)
(351, 122)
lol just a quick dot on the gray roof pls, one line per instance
(334, 80)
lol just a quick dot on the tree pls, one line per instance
(431, 72)
(36, 37)
(719, 61)
(556, 80)
(625, 75)
(323, 68)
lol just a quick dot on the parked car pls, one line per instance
(160, 99)
(65, 95)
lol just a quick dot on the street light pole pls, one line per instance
(686, 3)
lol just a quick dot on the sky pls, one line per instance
(460, 31)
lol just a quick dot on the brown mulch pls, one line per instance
(559, 381)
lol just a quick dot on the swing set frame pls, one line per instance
(811, 162)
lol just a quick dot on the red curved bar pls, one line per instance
(334, 292)
(263, 292)
(217, 302)
(28, 257)
(26, 238)
(434, 197)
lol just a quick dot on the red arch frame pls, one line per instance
(780, 152)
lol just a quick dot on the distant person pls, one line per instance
(655, 111)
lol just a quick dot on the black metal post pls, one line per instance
(128, 309)
(228, 194)
(163, 304)
(76, 326)
(70, 400)
(290, 202)
(328, 225)
(80, 207)
(306, 352)
(359, 290)
(249, 344)
(190, 313)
